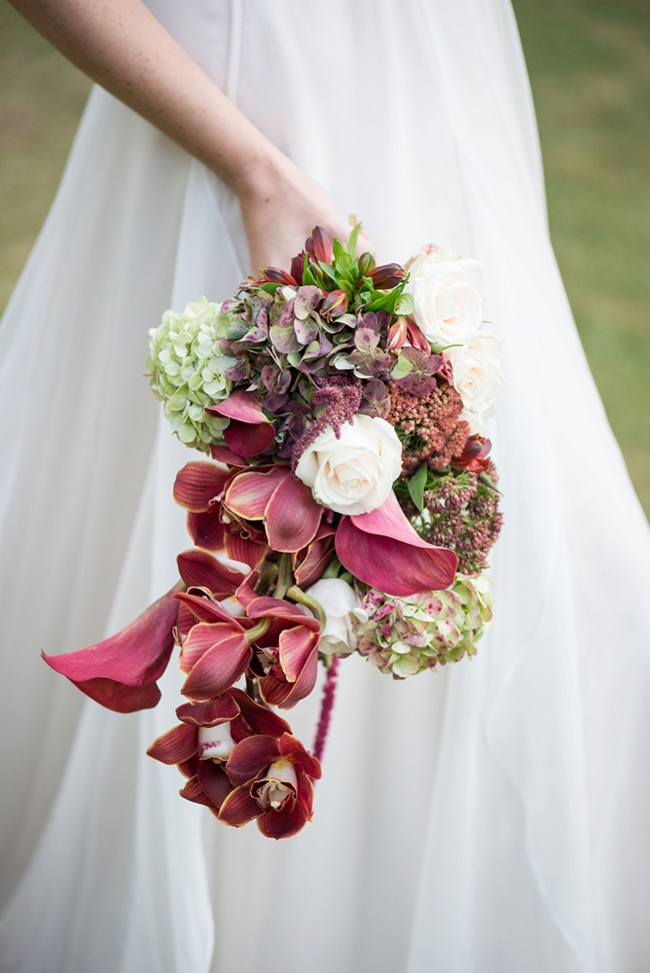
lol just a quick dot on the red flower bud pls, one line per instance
(387, 276)
(319, 246)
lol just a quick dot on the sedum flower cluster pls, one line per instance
(187, 371)
(407, 635)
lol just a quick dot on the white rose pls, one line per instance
(354, 474)
(477, 378)
(448, 294)
(342, 607)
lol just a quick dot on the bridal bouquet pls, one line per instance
(349, 495)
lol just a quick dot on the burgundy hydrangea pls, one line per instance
(428, 426)
(462, 514)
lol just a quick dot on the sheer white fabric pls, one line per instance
(491, 818)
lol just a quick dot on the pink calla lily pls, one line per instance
(382, 549)
(121, 672)
(275, 785)
(249, 432)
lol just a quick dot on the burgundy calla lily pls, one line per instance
(249, 432)
(382, 549)
(121, 672)
(201, 744)
(275, 785)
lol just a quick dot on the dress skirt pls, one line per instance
(488, 818)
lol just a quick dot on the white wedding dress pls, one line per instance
(489, 818)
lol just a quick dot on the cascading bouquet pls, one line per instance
(350, 497)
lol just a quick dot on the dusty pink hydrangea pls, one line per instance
(428, 426)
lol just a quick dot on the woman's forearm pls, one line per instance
(121, 45)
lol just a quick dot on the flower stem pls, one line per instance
(326, 708)
(285, 576)
(297, 594)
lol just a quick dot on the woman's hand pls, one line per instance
(280, 207)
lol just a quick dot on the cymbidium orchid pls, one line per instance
(274, 785)
(204, 740)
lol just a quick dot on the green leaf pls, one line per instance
(268, 287)
(484, 478)
(328, 269)
(405, 305)
(402, 368)
(308, 277)
(352, 241)
(416, 486)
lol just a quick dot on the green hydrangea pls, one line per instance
(404, 636)
(187, 371)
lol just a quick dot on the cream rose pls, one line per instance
(343, 609)
(354, 474)
(448, 294)
(477, 378)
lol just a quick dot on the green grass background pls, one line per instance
(589, 62)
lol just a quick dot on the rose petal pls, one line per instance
(292, 516)
(198, 484)
(198, 568)
(176, 745)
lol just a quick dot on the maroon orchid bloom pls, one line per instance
(249, 432)
(198, 488)
(286, 654)
(275, 785)
(280, 501)
(309, 563)
(475, 455)
(121, 672)
(382, 549)
(202, 743)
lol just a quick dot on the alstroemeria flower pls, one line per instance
(202, 743)
(121, 672)
(382, 549)
(275, 785)
(475, 455)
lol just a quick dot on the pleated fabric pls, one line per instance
(489, 818)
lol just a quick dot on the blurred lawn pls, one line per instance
(589, 62)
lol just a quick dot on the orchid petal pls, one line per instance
(206, 529)
(260, 718)
(239, 807)
(176, 745)
(198, 484)
(246, 593)
(305, 790)
(195, 793)
(199, 569)
(218, 668)
(284, 823)
(248, 550)
(292, 516)
(295, 646)
(251, 756)
(250, 492)
(203, 637)
(214, 781)
(224, 455)
(206, 610)
(293, 750)
(278, 692)
(264, 606)
(211, 713)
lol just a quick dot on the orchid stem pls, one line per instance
(285, 576)
(297, 594)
